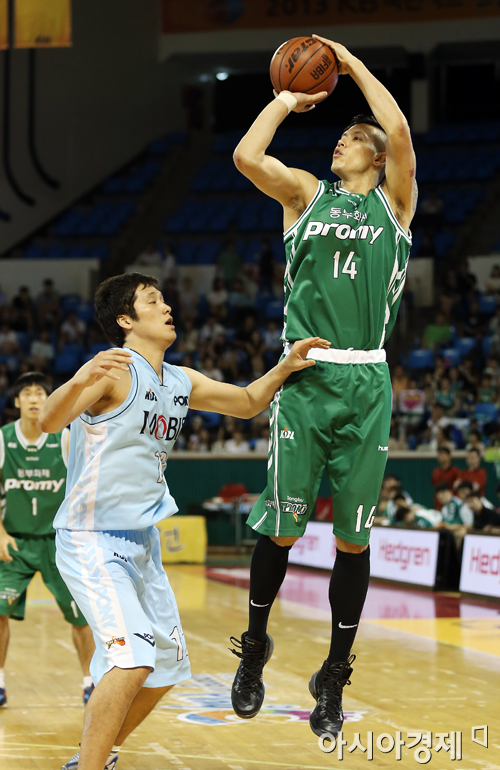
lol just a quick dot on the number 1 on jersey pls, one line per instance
(349, 267)
(34, 506)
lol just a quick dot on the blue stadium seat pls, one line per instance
(451, 356)
(487, 304)
(486, 412)
(421, 359)
(465, 345)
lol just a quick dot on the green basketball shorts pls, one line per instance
(34, 554)
(333, 416)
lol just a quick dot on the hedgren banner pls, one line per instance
(211, 15)
(4, 24)
(480, 572)
(42, 23)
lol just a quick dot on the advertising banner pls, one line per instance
(42, 24)
(403, 555)
(183, 539)
(481, 565)
(211, 15)
(4, 24)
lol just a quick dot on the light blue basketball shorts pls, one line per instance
(118, 581)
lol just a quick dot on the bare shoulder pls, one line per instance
(308, 186)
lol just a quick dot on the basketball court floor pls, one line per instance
(425, 663)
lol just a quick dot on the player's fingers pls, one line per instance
(13, 545)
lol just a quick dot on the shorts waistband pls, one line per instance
(350, 356)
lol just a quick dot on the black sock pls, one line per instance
(348, 587)
(267, 572)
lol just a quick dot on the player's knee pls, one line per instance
(4, 620)
(284, 541)
(343, 545)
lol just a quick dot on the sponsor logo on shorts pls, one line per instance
(119, 556)
(287, 434)
(120, 640)
(383, 448)
(149, 638)
(10, 595)
(150, 395)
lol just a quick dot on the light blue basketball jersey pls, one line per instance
(117, 460)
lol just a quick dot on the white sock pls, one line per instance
(87, 681)
(115, 749)
(2, 679)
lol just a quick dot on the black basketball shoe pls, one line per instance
(326, 687)
(247, 692)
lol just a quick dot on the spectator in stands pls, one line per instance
(437, 334)
(209, 369)
(492, 285)
(272, 337)
(414, 515)
(42, 352)
(188, 300)
(451, 506)
(225, 357)
(474, 472)
(9, 345)
(255, 349)
(211, 329)
(493, 369)
(399, 381)
(4, 379)
(217, 299)
(466, 281)
(204, 443)
(169, 266)
(386, 508)
(150, 257)
(239, 300)
(261, 445)
(188, 338)
(265, 259)
(397, 440)
(475, 322)
(22, 311)
(219, 445)
(431, 211)
(436, 422)
(171, 294)
(486, 393)
(194, 436)
(485, 519)
(72, 330)
(48, 303)
(446, 398)
(237, 444)
(475, 442)
(468, 374)
(444, 473)
(228, 263)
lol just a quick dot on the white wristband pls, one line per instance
(288, 100)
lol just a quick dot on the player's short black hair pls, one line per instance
(368, 120)
(32, 378)
(474, 449)
(115, 296)
(441, 486)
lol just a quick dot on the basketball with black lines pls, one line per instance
(304, 65)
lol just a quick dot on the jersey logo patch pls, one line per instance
(287, 434)
(150, 395)
(12, 445)
(383, 448)
(149, 638)
(120, 640)
(51, 446)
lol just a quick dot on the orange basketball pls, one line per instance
(304, 65)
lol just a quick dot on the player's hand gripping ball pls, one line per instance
(304, 65)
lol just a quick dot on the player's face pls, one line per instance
(355, 151)
(30, 401)
(154, 316)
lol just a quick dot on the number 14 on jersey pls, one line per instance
(349, 267)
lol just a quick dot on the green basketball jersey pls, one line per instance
(346, 259)
(34, 480)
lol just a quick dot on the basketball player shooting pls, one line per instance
(347, 246)
(127, 408)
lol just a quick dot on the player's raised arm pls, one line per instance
(211, 396)
(400, 163)
(293, 188)
(96, 383)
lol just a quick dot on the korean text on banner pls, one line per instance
(183, 539)
(42, 24)
(4, 24)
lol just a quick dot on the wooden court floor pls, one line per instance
(417, 670)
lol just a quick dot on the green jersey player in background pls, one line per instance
(33, 475)
(347, 246)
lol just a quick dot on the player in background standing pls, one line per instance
(33, 474)
(128, 408)
(347, 246)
